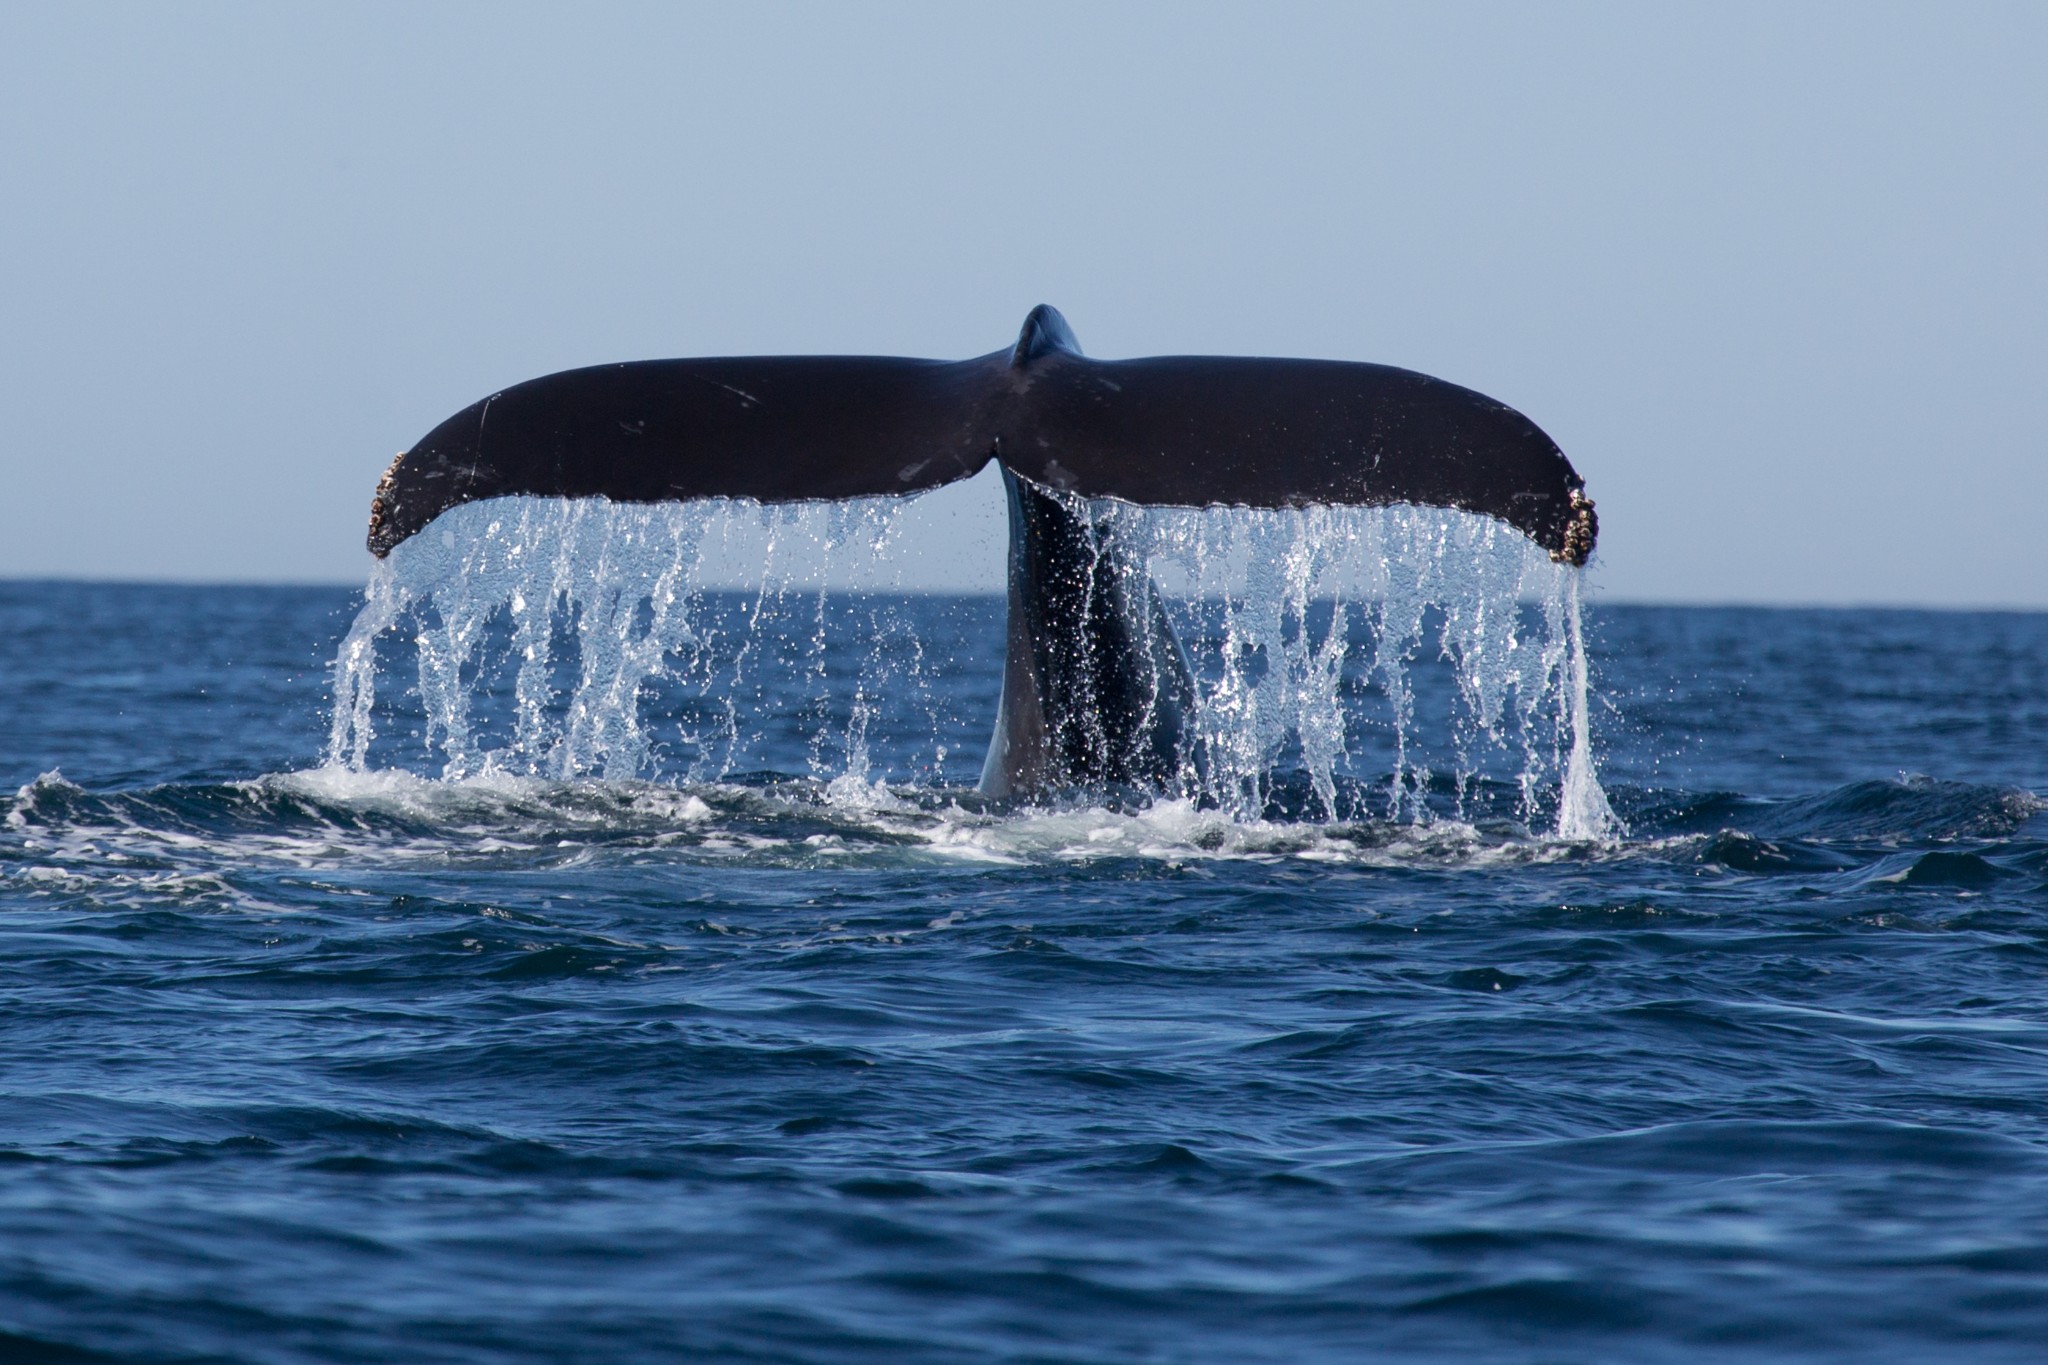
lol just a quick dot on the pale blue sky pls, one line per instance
(1773, 275)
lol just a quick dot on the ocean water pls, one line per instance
(725, 1023)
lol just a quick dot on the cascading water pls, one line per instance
(1403, 663)
(1319, 623)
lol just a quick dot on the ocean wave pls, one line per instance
(180, 839)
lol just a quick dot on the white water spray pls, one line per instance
(1414, 652)
(1410, 578)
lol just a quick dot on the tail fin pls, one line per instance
(1173, 430)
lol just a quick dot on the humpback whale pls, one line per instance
(1097, 692)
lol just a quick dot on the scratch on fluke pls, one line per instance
(741, 394)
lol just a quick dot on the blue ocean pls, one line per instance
(548, 953)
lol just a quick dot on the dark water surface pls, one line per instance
(317, 1066)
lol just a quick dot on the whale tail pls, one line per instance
(1104, 704)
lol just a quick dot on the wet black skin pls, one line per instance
(1097, 693)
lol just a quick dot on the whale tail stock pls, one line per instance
(1108, 705)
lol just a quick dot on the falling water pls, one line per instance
(1393, 662)
(1583, 812)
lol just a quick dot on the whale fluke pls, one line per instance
(1188, 431)
(1097, 693)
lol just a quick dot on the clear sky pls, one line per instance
(1773, 275)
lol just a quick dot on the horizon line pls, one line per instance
(1597, 598)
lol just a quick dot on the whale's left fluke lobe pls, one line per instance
(774, 428)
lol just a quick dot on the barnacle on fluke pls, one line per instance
(1580, 531)
(382, 537)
